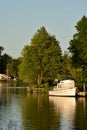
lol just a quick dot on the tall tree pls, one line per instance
(41, 59)
(78, 46)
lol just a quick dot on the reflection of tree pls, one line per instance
(38, 113)
(81, 114)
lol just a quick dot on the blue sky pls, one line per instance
(20, 19)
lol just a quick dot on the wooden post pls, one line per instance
(84, 88)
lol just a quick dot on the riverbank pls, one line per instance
(36, 90)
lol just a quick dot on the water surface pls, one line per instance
(20, 110)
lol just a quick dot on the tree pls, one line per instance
(41, 59)
(78, 46)
(1, 49)
(8, 65)
(5, 59)
(12, 68)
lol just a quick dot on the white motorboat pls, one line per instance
(64, 87)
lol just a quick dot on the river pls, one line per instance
(20, 110)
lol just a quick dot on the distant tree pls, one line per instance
(12, 68)
(5, 59)
(41, 59)
(8, 65)
(1, 49)
(78, 46)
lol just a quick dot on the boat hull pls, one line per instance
(69, 92)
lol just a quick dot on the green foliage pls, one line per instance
(12, 68)
(78, 45)
(78, 49)
(41, 59)
(66, 66)
(8, 65)
(4, 60)
(1, 49)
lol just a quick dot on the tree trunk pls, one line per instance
(39, 78)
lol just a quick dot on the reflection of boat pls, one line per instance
(64, 87)
(64, 104)
(64, 108)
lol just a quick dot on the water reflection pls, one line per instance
(10, 108)
(66, 107)
(7, 84)
(22, 111)
(81, 114)
(36, 112)
(10, 113)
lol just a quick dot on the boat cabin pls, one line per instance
(66, 83)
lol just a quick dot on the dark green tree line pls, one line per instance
(4, 60)
(8, 65)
